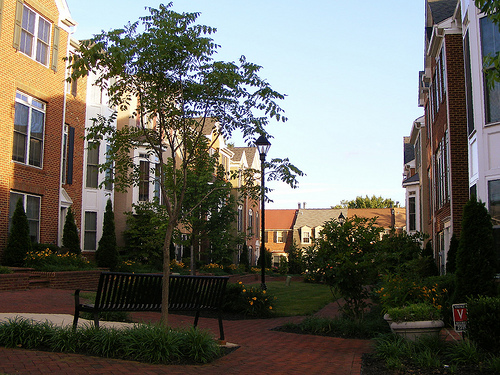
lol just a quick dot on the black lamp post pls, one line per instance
(263, 147)
(341, 218)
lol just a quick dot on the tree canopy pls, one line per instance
(161, 70)
(366, 202)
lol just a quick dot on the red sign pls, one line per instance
(460, 317)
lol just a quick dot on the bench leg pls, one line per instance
(196, 318)
(221, 328)
(75, 319)
(96, 319)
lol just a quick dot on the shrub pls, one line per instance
(397, 291)
(295, 261)
(214, 268)
(476, 256)
(145, 343)
(107, 251)
(249, 301)
(451, 257)
(483, 326)
(19, 241)
(70, 240)
(48, 261)
(414, 312)
(244, 261)
(283, 266)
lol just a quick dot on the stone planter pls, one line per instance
(388, 319)
(414, 330)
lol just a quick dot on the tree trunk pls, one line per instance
(166, 274)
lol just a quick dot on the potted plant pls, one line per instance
(415, 320)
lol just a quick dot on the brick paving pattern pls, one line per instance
(261, 350)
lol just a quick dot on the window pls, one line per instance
(281, 236)
(108, 184)
(490, 44)
(468, 85)
(31, 205)
(250, 222)
(412, 214)
(494, 201)
(90, 236)
(32, 34)
(67, 155)
(306, 236)
(92, 166)
(143, 180)
(257, 223)
(29, 124)
(240, 218)
(442, 173)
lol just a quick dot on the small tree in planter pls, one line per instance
(70, 240)
(19, 241)
(476, 258)
(107, 252)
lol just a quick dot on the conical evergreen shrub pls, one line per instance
(107, 251)
(476, 258)
(244, 261)
(19, 241)
(70, 240)
(451, 259)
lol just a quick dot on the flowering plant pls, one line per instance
(250, 301)
(397, 291)
(415, 312)
(176, 266)
(49, 261)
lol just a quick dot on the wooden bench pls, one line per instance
(142, 292)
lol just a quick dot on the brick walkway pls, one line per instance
(261, 351)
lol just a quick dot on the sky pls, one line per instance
(349, 70)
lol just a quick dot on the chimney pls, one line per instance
(298, 205)
(304, 204)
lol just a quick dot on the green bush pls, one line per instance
(107, 251)
(483, 325)
(476, 256)
(144, 343)
(249, 301)
(70, 239)
(414, 312)
(19, 241)
(48, 261)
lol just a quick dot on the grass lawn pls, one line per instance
(299, 298)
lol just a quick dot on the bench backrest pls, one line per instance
(142, 292)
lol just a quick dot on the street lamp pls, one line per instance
(341, 218)
(263, 146)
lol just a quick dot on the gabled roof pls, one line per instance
(413, 179)
(280, 219)
(384, 215)
(316, 217)
(409, 151)
(442, 9)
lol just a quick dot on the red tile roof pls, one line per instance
(280, 219)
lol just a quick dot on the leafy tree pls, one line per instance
(145, 233)
(366, 202)
(165, 61)
(107, 251)
(19, 241)
(396, 249)
(71, 240)
(344, 256)
(451, 259)
(476, 257)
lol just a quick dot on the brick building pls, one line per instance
(42, 118)
(279, 232)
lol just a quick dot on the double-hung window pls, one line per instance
(35, 36)
(31, 205)
(93, 165)
(29, 125)
(490, 44)
(90, 234)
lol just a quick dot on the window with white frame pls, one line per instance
(29, 127)
(494, 201)
(412, 214)
(35, 36)
(240, 218)
(144, 181)
(306, 235)
(90, 233)
(92, 165)
(250, 222)
(490, 45)
(442, 173)
(108, 185)
(31, 205)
